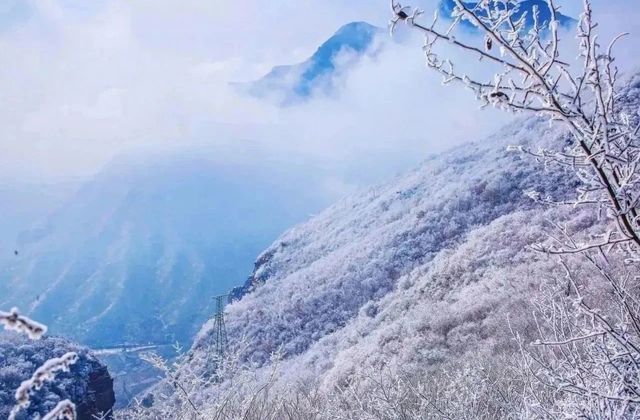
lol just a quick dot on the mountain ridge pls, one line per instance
(296, 82)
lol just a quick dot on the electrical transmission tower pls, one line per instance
(219, 330)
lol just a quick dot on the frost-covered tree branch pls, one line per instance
(12, 320)
(46, 372)
(587, 356)
(523, 54)
(65, 410)
(588, 351)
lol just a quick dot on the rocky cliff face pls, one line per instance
(88, 384)
(99, 397)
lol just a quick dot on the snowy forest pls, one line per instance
(495, 277)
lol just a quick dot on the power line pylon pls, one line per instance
(219, 346)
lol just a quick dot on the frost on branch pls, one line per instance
(65, 410)
(44, 373)
(12, 320)
(586, 362)
(522, 51)
(588, 350)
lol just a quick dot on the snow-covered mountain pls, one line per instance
(136, 254)
(415, 272)
(427, 270)
(290, 83)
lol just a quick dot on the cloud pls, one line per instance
(86, 84)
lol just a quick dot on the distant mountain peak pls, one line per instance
(358, 27)
(297, 81)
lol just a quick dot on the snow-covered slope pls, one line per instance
(137, 253)
(416, 270)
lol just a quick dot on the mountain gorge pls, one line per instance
(137, 253)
